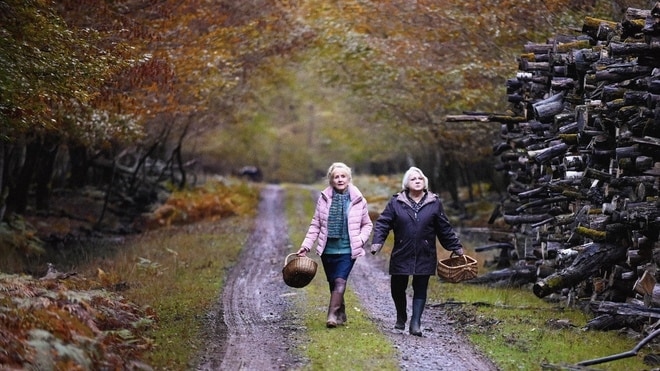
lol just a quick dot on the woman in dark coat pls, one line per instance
(417, 218)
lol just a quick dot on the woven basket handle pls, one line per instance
(286, 260)
(453, 253)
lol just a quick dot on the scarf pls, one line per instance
(337, 215)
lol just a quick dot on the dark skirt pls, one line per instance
(337, 265)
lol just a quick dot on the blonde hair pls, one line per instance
(338, 166)
(406, 177)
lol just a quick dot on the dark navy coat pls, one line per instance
(414, 251)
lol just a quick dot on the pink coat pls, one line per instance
(359, 223)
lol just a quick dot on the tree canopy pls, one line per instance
(289, 86)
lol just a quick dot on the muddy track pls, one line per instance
(251, 327)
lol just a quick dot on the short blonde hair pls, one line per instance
(338, 166)
(406, 178)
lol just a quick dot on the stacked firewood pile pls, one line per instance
(581, 148)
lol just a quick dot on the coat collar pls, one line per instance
(430, 198)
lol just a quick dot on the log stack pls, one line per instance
(581, 148)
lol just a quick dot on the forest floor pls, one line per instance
(251, 328)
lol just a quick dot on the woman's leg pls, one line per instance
(341, 313)
(338, 268)
(420, 285)
(336, 300)
(398, 285)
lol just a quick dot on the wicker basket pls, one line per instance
(298, 272)
(457, 268)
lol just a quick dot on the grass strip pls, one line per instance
(181, 276)
(519, 331)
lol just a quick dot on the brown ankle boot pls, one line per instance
(333, 308)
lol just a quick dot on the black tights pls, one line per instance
(399, 283)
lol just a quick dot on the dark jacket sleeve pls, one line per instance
(445, 232)
(384, 223)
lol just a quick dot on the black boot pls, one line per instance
(400, 303)
(398, 285)
(416, 319)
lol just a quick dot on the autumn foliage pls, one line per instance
(211, 201)
(100, 93)
(67, 323)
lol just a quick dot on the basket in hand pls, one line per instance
(457, 268)
(298, 272)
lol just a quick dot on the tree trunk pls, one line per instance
(594, 257)
(451, 174)
(3, 186)
(621, 72)
(79, 165)
(18, 193)
(545, 110)
(512, 276)
(625, 309)
(44, 174)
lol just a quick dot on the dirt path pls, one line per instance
(250, 329)
(441, 347)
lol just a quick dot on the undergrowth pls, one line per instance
(133, 299)
(65, 322)
(180, 271)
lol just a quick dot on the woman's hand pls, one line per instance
(302, 252)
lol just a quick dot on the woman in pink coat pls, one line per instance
(341, 227)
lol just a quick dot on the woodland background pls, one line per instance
(123, 102)
(130, 103)
(124, 95)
